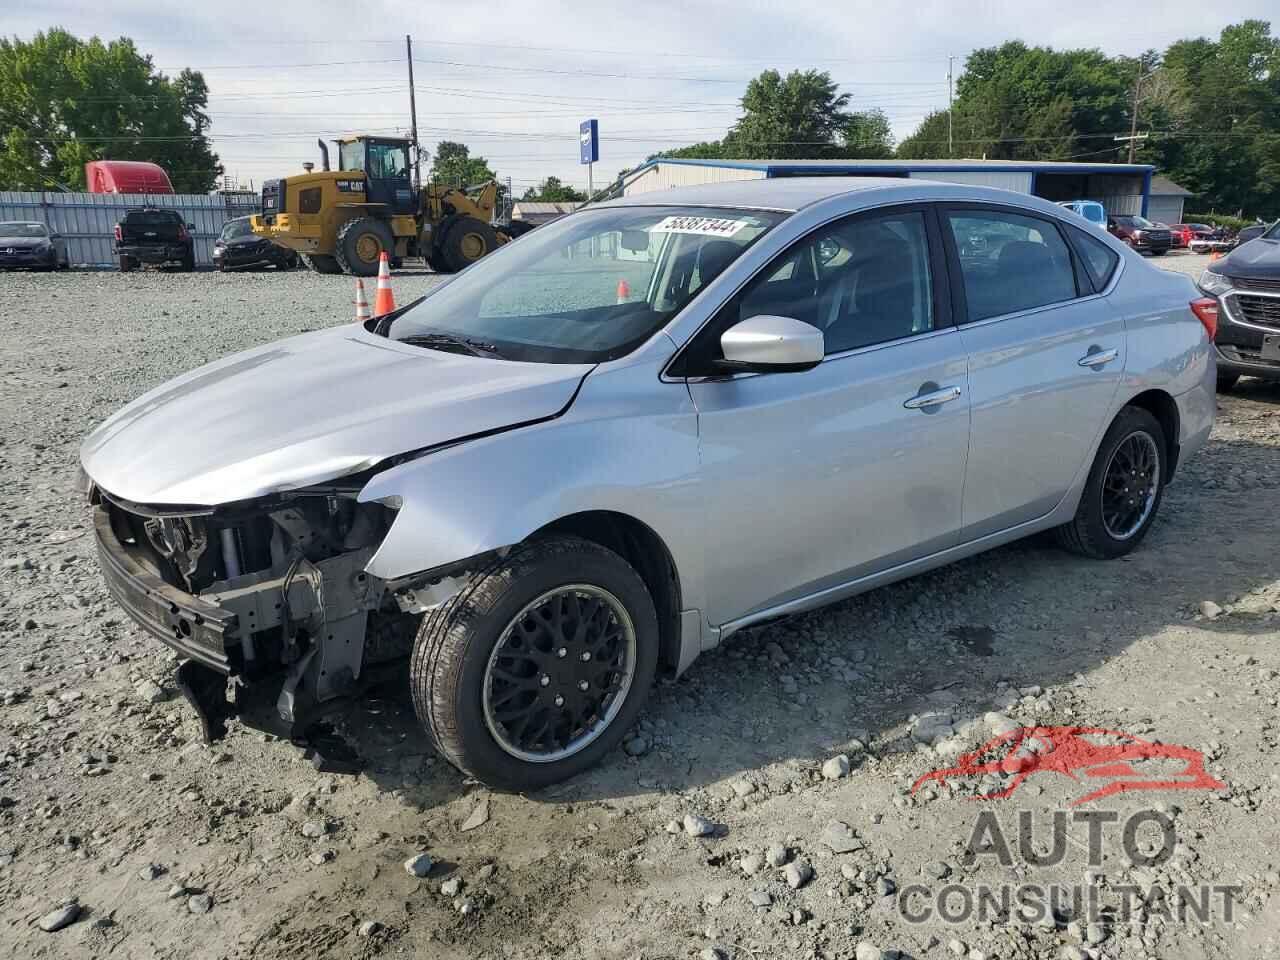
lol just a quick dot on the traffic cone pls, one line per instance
(383, 301)
(624, 291)
(1215, 255)
(362, 303)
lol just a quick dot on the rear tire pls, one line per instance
(466, 242)
(1227, 382)
(360, 245)
(537, 667)
(320, 263)
(1123, 492)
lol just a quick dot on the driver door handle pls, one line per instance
(1098, 358)
(936, 398)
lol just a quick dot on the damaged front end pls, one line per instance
(272, 593)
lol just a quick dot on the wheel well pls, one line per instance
(1162, 406)
(641, 547)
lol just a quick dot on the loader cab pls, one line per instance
(385, 162)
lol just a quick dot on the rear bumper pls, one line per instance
(192, 628)
(153, 253)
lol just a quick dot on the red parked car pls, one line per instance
(1181, 234)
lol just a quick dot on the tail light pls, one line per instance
(1206, 311)
(119, 235)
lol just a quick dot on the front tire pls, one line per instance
(320, 263)
(1124, 489)
(466, 242)
(537, 667)
(360, 245)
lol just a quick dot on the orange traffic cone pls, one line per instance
(624, 291)
(1215, 255)
(362, 303)
(383, 301)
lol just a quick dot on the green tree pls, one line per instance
(1218, 131)
(455, 167)
(551, 190)
(1015, 102)
(800, 116)
(65, 101)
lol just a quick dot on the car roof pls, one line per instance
(791, 194)
(772, 193)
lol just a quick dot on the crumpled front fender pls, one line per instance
(628, 445)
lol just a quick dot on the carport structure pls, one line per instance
(1122, 188)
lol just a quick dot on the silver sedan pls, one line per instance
(616, 442)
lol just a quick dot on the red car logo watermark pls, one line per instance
(1083, 754)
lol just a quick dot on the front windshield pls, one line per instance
(1273, 232)
(587, 288)
(1139, 222)
(236, 228)
(23, 230)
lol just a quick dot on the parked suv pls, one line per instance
(1247, 284)
(643, 427)
(151, 235)
(238, 246)
(1141, 234)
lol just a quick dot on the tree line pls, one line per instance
(1208, 116)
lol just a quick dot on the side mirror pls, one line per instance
(766, 344)
(191, 226)
(55, 236)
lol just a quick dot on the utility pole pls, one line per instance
(1133, 120)
(413, 117)
(950, 64)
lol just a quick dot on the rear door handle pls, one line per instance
(1098, 358)
(936, 398)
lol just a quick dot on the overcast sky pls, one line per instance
(513, 80)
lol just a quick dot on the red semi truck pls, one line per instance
(126, 176)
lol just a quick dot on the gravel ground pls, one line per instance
(729, 827)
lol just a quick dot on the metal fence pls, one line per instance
(88, 220)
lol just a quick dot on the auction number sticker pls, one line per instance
(703, 226)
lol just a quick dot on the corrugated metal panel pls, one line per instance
(88, 220)
(1166, 209)
(1017, 181)
(664, 176)
(1121, 204)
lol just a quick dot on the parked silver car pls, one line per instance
(605, 449)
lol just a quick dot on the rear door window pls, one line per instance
(1099, 260)
(1010, 262)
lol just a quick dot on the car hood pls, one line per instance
(1258, 259)
(309, 409)
(23, 243)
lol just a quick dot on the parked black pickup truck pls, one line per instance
(151, 235)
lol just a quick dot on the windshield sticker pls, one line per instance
(703, 226)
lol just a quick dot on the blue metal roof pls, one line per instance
(773, 168)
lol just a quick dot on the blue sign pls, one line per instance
(589, 141)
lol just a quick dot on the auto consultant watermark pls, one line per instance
(1020, 842)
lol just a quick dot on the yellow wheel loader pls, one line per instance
(341, 221)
